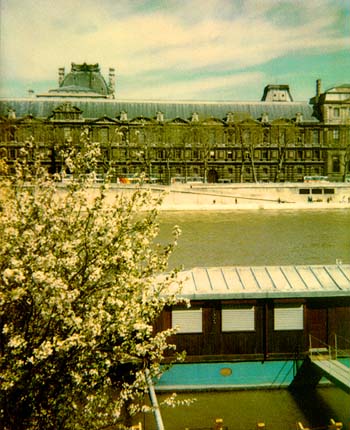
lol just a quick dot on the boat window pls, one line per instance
(289, 317)
(187, 320)
(238, 319)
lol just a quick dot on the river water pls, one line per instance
(258, 237)
(279, 409)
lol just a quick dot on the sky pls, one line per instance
(178, 49)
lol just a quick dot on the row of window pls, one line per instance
(135, 137)
(211, 138)
(238, 319)
(219, 154)
(13, 153)
(316, 191)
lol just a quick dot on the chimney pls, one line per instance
(318, 87)
(111, 80)
(61, 74)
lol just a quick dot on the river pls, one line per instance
(258, 237)
(279, 409)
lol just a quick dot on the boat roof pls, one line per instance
(259, 282)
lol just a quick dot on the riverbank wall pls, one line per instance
(256, 196)
(191, 197)
(204, 197)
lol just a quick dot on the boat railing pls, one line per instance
(344, 351)
(319, 349)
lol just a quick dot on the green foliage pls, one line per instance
(79, 296)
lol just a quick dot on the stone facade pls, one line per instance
(272, 140)
(332, 106)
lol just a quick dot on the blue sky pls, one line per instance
(178, 49)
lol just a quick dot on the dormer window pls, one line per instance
(160, 116)
(195, 117)
(11, 114)
(299, 117)
(123, 116)
(265, 118)
(65, 112)
(229, 117)
(336, 112)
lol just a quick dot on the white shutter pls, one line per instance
(239, 319)
(187, 321)
(289, 318)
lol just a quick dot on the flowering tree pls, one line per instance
(79, 295)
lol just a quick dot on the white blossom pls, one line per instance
(16, 342)
(79, 295)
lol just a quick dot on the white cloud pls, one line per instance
(188, 36)
(192, 89)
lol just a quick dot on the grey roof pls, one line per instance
(83, 77)
(238, 282)
(347, 86)
(72, 88)
(42, 107)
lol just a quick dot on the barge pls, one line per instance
(255, 326)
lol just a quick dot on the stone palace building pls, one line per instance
(275, 139)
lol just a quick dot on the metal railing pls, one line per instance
(328, 351)
(345, 350)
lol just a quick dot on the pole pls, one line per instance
(336, 346)
(154, 401)
(310, 346)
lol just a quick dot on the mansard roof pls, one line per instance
(72, 90)
(339, 87)
(333, 95)
(43, 107)
(84, 80)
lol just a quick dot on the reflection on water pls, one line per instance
(264, 237)
(242, 410)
